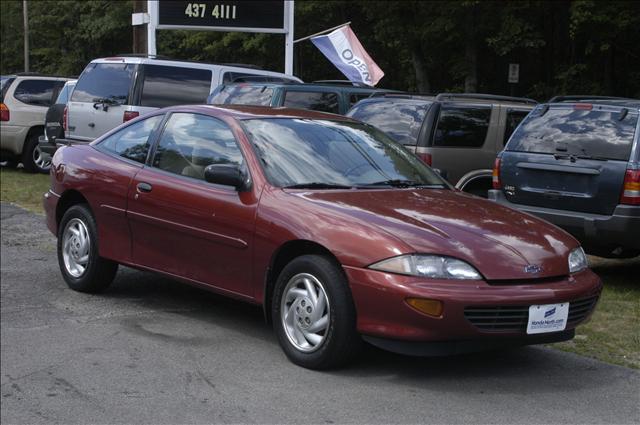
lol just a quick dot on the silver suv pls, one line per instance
(113, 90)
(24, 101)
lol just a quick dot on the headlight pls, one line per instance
(431, 266)
(577, 260)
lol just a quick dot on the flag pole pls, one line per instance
(321, 32)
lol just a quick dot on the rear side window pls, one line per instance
(172, 85)
(316, 101)
(400, 120)
(132, 142)
(108, 81)
(4, 86)
(243, 95)
(462, 127)
(597, 133)
(514, 118)
(36, 92)
(191, 142)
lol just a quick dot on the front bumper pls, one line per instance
(50, 203)
(12, 138)
(384, 314)
(598, 233)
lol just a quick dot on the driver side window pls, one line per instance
(191, 142)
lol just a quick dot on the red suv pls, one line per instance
(336, 230)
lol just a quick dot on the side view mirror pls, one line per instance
(227, 175)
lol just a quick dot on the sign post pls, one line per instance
(262, 16)
(514, 76)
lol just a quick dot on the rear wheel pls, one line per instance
(82, 268)
(313, 313)
(33, 159)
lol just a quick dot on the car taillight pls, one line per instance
(129, 115)
(495, 175)
(426, 158)
(4, 112)
(65, 119)
(631, 188)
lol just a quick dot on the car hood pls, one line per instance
(500, 242)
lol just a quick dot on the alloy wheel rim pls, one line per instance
(76, 246)
(305, 312)
(41, 159)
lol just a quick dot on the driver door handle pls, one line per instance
(144, 187)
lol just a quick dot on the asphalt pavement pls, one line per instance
(152, 350)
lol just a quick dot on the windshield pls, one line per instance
(401, 120)
(334, 154)
(586, 133)
(243, 95)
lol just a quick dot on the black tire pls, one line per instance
(98, 272)
(33, 159)
(341, 341)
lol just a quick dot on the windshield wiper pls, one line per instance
(573, 158)
(401, 183)
(317, 185)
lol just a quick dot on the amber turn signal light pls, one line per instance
(426, 306)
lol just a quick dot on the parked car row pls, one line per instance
(333, 219)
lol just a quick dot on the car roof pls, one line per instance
(619, 102)
(469, 98)
(244, 112)
(306, 86)
(133, 59)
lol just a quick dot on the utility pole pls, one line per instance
(140, 31)
(25, 20)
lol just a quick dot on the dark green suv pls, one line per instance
(320, 96)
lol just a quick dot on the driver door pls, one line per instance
(183, 225)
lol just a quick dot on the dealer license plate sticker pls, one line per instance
(547, 318)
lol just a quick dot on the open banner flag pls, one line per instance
(344, 50)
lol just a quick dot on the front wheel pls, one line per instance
(82, 268)
(313, 313)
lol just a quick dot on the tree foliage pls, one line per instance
(562, 46)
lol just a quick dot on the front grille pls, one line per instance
(515, 318)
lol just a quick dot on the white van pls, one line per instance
(113, 90)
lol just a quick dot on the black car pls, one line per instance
(575, 162)
(326, 96)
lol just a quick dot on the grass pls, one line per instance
(22, 188)
(612, 335)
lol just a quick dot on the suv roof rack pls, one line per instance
(402, 95)
(39, 74)
(480, 96)
(141, 55)
(582, 98)
(161, 57)
(342, 83)
(240, 65)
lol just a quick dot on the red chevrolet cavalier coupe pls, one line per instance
(336, 230)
